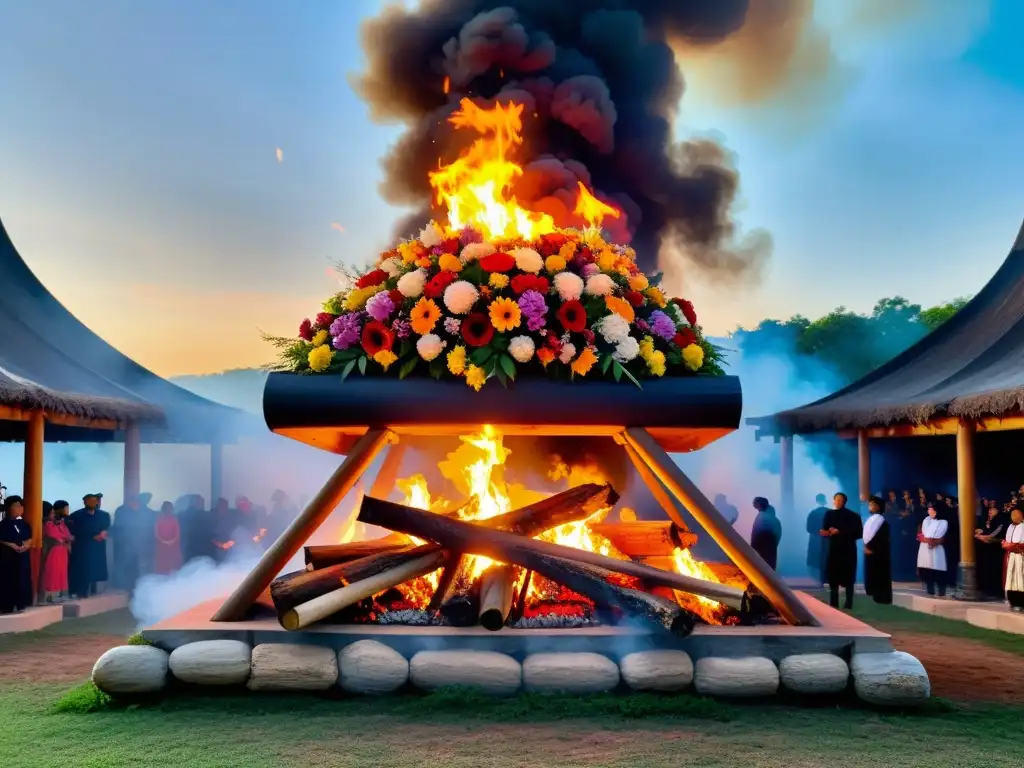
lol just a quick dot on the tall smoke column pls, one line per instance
(601, 87)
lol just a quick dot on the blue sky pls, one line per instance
(140, 180)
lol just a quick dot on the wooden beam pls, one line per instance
(947, 426)
(739, 551)
(968, 497)
(863, 467)
(786, 474)
(7, 413)
(384, 482)
(132, 463)
(311, 518)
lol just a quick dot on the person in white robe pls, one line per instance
(931, 555)
(1014, 546)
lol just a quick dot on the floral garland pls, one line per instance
(565, 305)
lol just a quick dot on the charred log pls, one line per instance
(645, 539)
(326, 555)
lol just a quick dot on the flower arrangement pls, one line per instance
(564, 305)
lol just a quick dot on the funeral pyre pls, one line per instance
(506, 556)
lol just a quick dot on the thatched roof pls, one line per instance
(44, 344)
(972, 366)
(21, 393)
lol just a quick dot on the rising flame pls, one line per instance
(475, 188)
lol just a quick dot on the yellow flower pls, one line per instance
(620, 307)
(656, 363)
(498, 280)
(424, 316)
(646, 347)
(475, 377)
(568, 250)
(638, 282)
(385, 357)
(582, 364)
(320, 339)
(606, 261)
(320, 358)
(449, 263)
(357, 297)
(505, 314)
(457, 360)
(655, 295)
(693, 356)
(409, 252)
(554, 264)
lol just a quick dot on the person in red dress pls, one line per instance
(59, 538)
(167, 556)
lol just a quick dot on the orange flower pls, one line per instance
(505, 314)
(423, 262)
(545, 355)
(582, 364)
(449, 263)
(424, 316)
(620, 307)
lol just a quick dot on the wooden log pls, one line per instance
(299, 587)
(645, 539)
(318, 608)
(497, 588)
(519, 606)
(510, 548)
(326, 555)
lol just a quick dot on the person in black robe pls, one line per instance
(196, 529)
(90, 526)
(130, 538)
(766, 533)
(817, 547)
(15, 560)
(877, 554)
(904, 529)
(222, 533)
(951, 514)
(842, 528)
(989, 537)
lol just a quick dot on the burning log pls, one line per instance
(326, 555)
(321, 607)
(497, 587)
(519, 606)
(645, 539)
(510, 548)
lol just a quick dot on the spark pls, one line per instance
(336, 226)
(280, 155)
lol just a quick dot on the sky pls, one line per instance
(141, 182)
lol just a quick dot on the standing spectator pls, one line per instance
(1014, 547)
(195, 529)
(931, 555)
(15, 561)
(817, 547)
(167, 552)
(88, 563)
(767, 532)
(55, 564)
(989, 536)
(278, 518)
(877, 554)
(842, 527)
(729, 511)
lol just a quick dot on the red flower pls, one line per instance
(585, 255)
(396, 297)
(498, 262)
(306, 330)
(377, 337)
(635, 298)
(684, 338)
(554, 343)
(376, 277)
(588, 335)
(688, 311)
(435, 286)
(572, 316)
(477, 329)
(324, 320)
(451, 245)
(524, 283)
(551, 244)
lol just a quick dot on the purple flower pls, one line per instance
(402, 328)
(345, 330)
(469, 235)
(589, 270)
(642, 325)
(452, 325)
(534, 307)
(662, 325)
(380, 306)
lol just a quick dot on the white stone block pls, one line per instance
(369, 667)
(485, 671)
(814, 673)
(747, 677)
(983, 617)
(575, 673)
(291, 667)
(657, 670)
(131, 669)
(894, 679)
(212, 662)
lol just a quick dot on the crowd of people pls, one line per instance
(143, 541)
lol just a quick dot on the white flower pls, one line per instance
(460, 297)
(569, 286)
(476, 251)
(521, 348)
(567, 354)
(600, 285)
(626, 350)
(392, 266)
(527, 259)
(431, 235)
(411, 283)
(614, 328)
(429, 346)
(676, 313)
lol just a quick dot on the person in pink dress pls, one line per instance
(167, 556)
(59, 538)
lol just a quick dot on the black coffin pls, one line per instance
(683, 413)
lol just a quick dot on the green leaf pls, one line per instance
(500, 375)
(631, 377)
(407, 367)
(508, 365)
(437, 367)
(348, 368)
(481, 355)
(405, 348)
(607, 363)
(362, 365)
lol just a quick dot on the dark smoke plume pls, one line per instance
(601, 88)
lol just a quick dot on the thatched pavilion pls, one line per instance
(964, 379)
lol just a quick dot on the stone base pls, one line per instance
(97, 604)
(31, 620)
(1001, 619)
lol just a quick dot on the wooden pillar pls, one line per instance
(216, 473)
(132, 462)
(968, 495)
(863, 468)
(32, 489)
(786, 475)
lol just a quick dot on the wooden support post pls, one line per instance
(319, 509)
(132, 463)
(216, 473)
(786, 475)
(968, 494)
(384, 482)
(739, 551)
(32, 489)
(864, 468)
